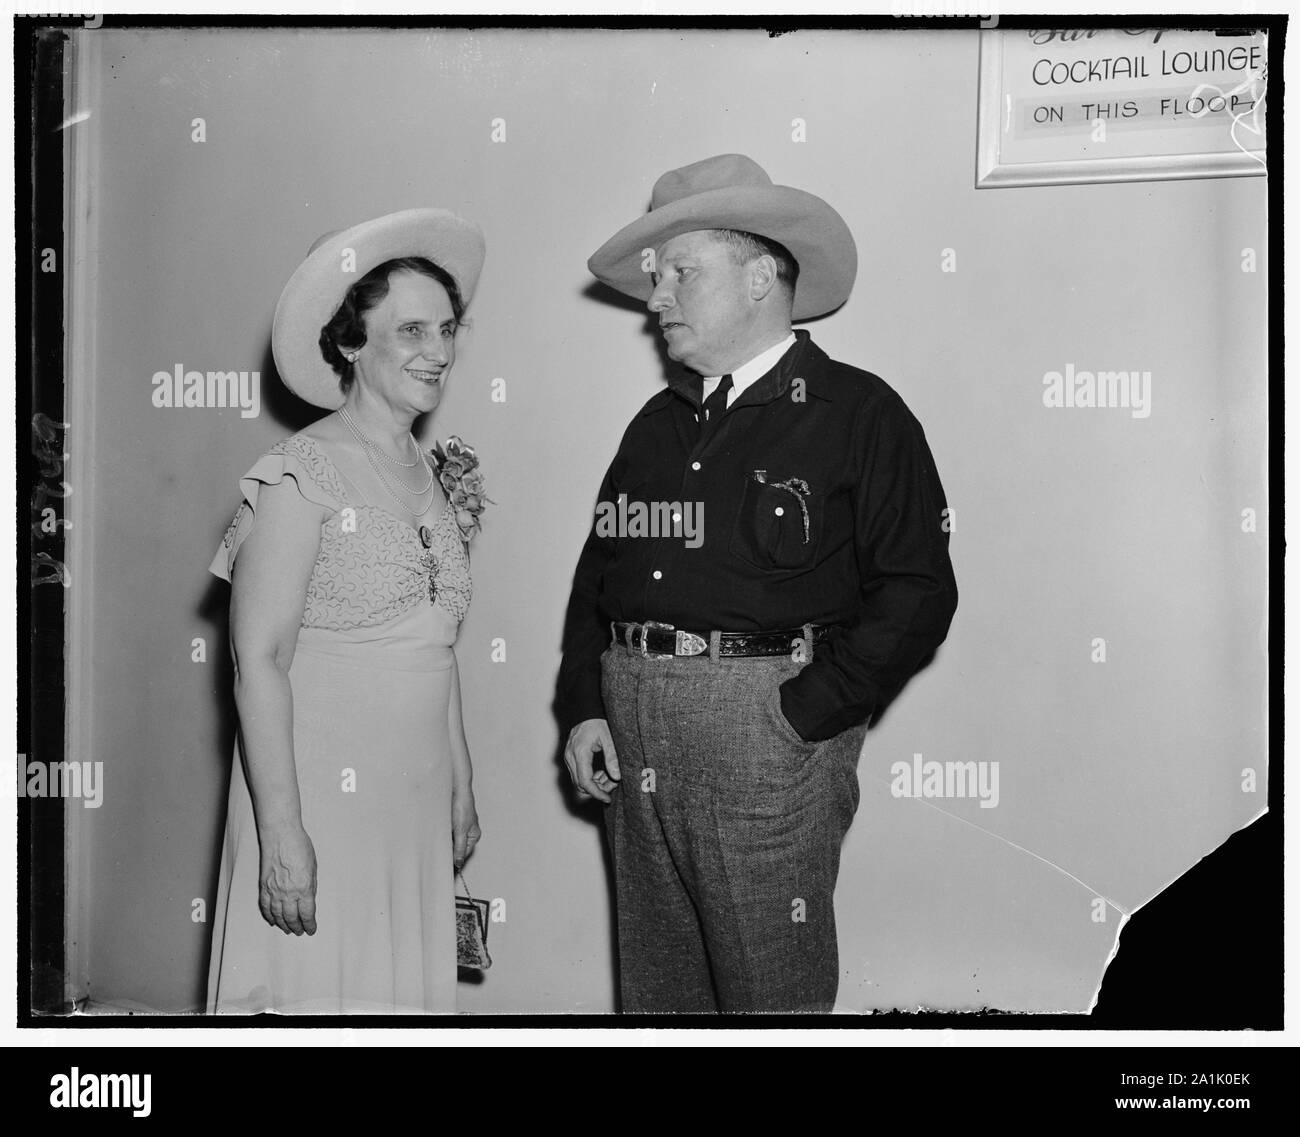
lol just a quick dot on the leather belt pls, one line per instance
(654, 638)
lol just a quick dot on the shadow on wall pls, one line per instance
(280, 403)
(603, 294)
(593, 811)
(214, 610)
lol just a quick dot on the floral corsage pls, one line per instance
(462, 482)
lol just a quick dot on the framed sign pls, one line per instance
(1110, 105)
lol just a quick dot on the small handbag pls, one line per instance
(471, 930)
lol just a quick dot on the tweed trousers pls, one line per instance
(725, 832)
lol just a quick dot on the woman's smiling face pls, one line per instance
(410, 344)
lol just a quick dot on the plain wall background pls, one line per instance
(1071, 524)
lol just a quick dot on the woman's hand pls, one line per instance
(287, 881)
(464, 825)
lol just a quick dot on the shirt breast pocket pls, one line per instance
(779, 523)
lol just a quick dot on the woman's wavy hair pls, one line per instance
(346, 330)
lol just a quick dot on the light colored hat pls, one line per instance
(732, 191)
(318, 285)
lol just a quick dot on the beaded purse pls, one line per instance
(471, 930)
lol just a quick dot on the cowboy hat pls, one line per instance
(318, 285)
(731, 191)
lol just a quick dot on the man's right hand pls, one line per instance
(585, 739)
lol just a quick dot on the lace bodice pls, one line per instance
(372, 566)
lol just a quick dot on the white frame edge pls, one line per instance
(81, 153)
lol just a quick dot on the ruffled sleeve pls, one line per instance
(298, 458)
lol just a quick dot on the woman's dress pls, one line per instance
(371, 681)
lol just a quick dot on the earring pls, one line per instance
(351, 356)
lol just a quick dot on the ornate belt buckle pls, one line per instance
(645, 653)
(688, 643)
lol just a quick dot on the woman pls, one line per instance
(350, 575)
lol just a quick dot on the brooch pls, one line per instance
(430, 563)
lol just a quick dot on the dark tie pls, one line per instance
(714, 405)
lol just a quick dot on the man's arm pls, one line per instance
(908, 592)
(579, 703)
(586, 634)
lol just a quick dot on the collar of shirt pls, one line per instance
(749, 373)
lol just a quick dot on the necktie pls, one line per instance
(714, 405)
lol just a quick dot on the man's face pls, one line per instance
(702, 299)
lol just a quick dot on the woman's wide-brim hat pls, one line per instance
(732, 191)
(336, 262)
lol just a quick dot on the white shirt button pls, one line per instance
(695, 465)
(779, 511)
(677, 516)
(658, 575)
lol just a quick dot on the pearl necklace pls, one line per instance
(371, 448)
(366, 441)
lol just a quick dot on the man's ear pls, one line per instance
(762, 276)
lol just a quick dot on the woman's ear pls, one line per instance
(348, 351)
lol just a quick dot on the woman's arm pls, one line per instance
(269, 593)
(465, 830)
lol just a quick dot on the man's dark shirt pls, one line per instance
(874, 556)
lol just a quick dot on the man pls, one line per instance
(717, 684)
